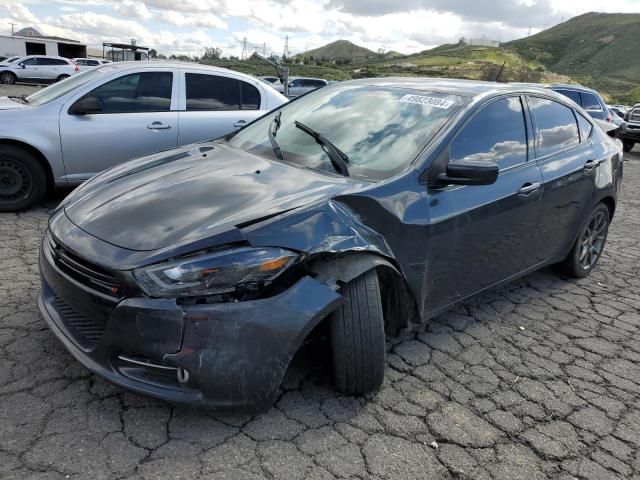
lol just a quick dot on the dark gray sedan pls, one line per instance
(194, 275)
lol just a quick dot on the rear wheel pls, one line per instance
(589, 245)
(8, 78)
(357, 337)
(627, 145)
(23, 181)
(62, 77)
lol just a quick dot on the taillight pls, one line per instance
(77, 69)
(609, 118)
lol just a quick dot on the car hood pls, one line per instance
(187, 194)
(7, 104)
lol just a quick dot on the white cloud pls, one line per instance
(203, 20)
(131, 9)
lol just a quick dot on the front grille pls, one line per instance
(86, 331)
(85, 272)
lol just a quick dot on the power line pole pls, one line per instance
(529, 34)
(12, 25)
(286, 47)
(244, 49)
(264, 49)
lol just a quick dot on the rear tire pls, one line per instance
(62, 77)
(589, 245)
(23, 181)
(627, 145)
(357, 337)
(8, 78)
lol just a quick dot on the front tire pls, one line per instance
(627, 145)
(62, 77)
(8, 78)
(589, 245)
(357, 337)
(23, 181)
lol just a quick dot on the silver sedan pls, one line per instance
(66, 133)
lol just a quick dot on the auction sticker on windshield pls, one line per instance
(425, 100)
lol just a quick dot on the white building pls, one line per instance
(38, 45)
(480, 42)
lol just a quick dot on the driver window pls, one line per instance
(138, 92)
(30, 61)
(497, 133)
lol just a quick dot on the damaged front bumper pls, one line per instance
(220, 356)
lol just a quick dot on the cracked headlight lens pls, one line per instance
(213, 273)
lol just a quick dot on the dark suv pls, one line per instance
(629, 131)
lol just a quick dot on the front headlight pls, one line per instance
(213, 273)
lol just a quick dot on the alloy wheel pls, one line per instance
(15, 180)
(592, 240)
(7, 78)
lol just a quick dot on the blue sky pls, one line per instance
(188, 26)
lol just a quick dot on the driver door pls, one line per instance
(137, 116)
(483, 235)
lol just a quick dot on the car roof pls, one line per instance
(465, 88)
(177, 64)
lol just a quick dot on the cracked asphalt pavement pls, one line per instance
(539, 379)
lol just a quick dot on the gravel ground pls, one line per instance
(540, 379)
(18, 90)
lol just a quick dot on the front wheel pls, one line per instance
(23, 181)
(8, 78)
(589, 245)
(62, 77)
(357, 337)
(627, 145)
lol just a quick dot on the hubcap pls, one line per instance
(7, 78)
(15, 181)
(592, 241)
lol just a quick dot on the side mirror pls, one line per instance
(86, 106)
(22, 65)
(469, 172)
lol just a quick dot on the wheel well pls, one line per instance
(36, 153)
(610, 204)
(398, 303)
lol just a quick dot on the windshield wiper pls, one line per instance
(338, 158)
(274, 126)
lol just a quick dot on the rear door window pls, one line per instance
(590, 102)
(250, 96)
(497, 133)
(556, 126)
(137, 92)
(212, 92)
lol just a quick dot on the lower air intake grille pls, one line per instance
(86, 331)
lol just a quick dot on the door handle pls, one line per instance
(591, 164)
(158, 126)
(529, 188)
(240, 123)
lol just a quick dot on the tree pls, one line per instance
(161, 56)
(211, 53)
(153, 53)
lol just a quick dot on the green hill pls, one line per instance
(597, 49)
(463, 61)
(340, 49)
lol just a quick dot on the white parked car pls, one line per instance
(114, 113)
(86, 63)
(38, 68)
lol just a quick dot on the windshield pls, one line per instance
(56, 90)
(380, 129)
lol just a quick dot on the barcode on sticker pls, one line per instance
(429, 101)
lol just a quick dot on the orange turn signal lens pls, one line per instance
(275, 264)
